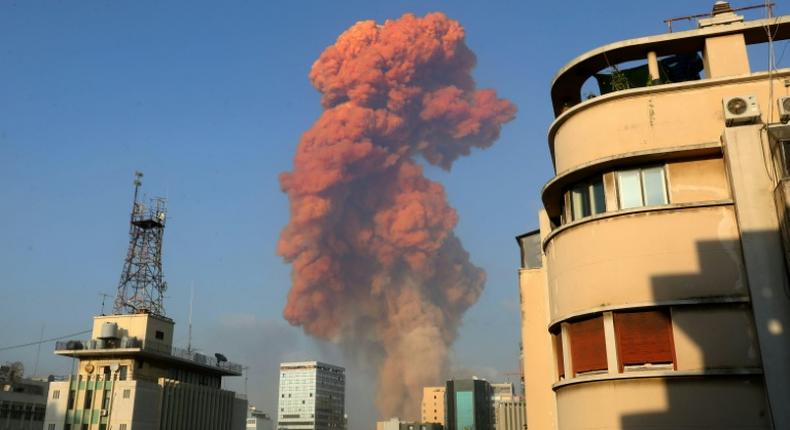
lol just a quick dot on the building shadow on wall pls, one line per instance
(719, 381)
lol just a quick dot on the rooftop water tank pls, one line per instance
(109, 330)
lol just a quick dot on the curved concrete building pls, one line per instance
(655, 293)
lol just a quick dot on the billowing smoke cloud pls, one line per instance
(376, 265)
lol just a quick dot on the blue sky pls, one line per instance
(209, 100)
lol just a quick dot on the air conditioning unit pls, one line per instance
(784, 109)
(741, 110)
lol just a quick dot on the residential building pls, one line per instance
(258, 420)
(433, 405)
(655, 293)
(468, 405)
(23, 401)
(312, 396)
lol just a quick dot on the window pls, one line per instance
(105, 401)
(56, 394)
(122, 372)
(51, 427)
(122, 427)
(642, 187)
(587, 199)
(160, 335)
(88, 399)
(588, 345)
(644, 338)
(127, 394)
(70, 403)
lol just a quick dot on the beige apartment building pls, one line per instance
(433, 405)
(655, 293)
(130, 377)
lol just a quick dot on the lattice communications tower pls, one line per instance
(142, 286)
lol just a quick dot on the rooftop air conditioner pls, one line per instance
(741, 110)
(784, 109)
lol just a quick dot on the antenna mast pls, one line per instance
(142, 286)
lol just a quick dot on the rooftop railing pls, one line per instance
(218, 361)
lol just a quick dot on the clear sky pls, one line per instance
(209, 100)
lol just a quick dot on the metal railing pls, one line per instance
(134, 343)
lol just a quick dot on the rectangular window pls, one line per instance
(588, 345)
(51, 427)
(122, 372)
(642, 187)
(70, 403)
(127, 394)
(644, 337)
(105, 400)
(122, 427)
(587, 199)
(159, 335)
(56, 394)
(88, 399)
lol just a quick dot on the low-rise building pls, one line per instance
(258, 420)
(130, 377)
(22, 401)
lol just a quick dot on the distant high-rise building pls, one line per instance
(507, 409)
(312, 396)
(433, 405)
(510, 413)
(468, 405)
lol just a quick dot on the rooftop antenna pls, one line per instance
(718, 7)
(191, 300)
(38, 350)
(142, 285)
(103, 298)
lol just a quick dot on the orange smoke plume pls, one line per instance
(376, 265)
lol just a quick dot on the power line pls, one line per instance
(6, 348)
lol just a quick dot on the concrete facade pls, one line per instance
(130, 377)
(22, 404)
(655, 293)
(432, 407)
(311, 396)
(510, 413)
(258, 420)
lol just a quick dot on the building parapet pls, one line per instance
(132, 345)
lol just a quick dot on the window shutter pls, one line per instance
(588, 345)
(644, 337)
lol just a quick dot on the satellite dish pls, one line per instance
(220, 357)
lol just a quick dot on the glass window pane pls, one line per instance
(597, 198)
(629, 189)
(580, 202)
(655, 188)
